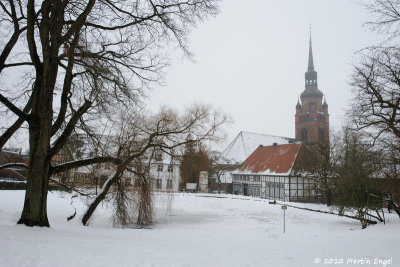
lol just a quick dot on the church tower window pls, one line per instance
(321, 133)
(304, 133)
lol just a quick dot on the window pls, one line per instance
(169, 184)
(304, 133)
(321, 134)
(159, 184)
(158, 154)
(170, 168)
(159, 167)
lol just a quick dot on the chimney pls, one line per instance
(274, 144)
(260, 145)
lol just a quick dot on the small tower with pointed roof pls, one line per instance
(312, 118)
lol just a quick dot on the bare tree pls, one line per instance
(376, 80)
(376, 86)
(122, 204)
(219, 168)
(144, 202)
(81, 59)
(386, 14)
(321, 167)
(194, 160)
(138, 139)
(357, 163)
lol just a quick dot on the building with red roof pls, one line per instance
(275, 172)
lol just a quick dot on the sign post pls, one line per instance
(284, 207)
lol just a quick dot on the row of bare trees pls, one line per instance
(375, 110)
(76, 65)
(352, 175)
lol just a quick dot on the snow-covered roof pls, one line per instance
(245, 143)
(270, 160)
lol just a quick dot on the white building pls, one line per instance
(165, 171)
(274, 172)
(244, 144)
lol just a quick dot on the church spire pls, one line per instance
(310, 56)
(311, 76)
(312, 118)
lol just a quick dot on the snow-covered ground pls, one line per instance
(198, 231)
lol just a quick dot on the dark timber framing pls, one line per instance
(275, 187)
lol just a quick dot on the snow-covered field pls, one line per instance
(198, 231)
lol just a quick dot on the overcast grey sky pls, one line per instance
(251, 60)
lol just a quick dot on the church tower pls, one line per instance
(312, 118)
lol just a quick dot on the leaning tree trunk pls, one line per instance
(103, 192)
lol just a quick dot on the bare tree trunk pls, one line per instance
(219, 184)
(100, 197)
(329, 197)
(34, 212)
(35, 206)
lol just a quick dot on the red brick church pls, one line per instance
(312, 118)
(271, 166)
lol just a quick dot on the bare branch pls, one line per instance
(69, 128)
(13, 165)
(13, 108)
